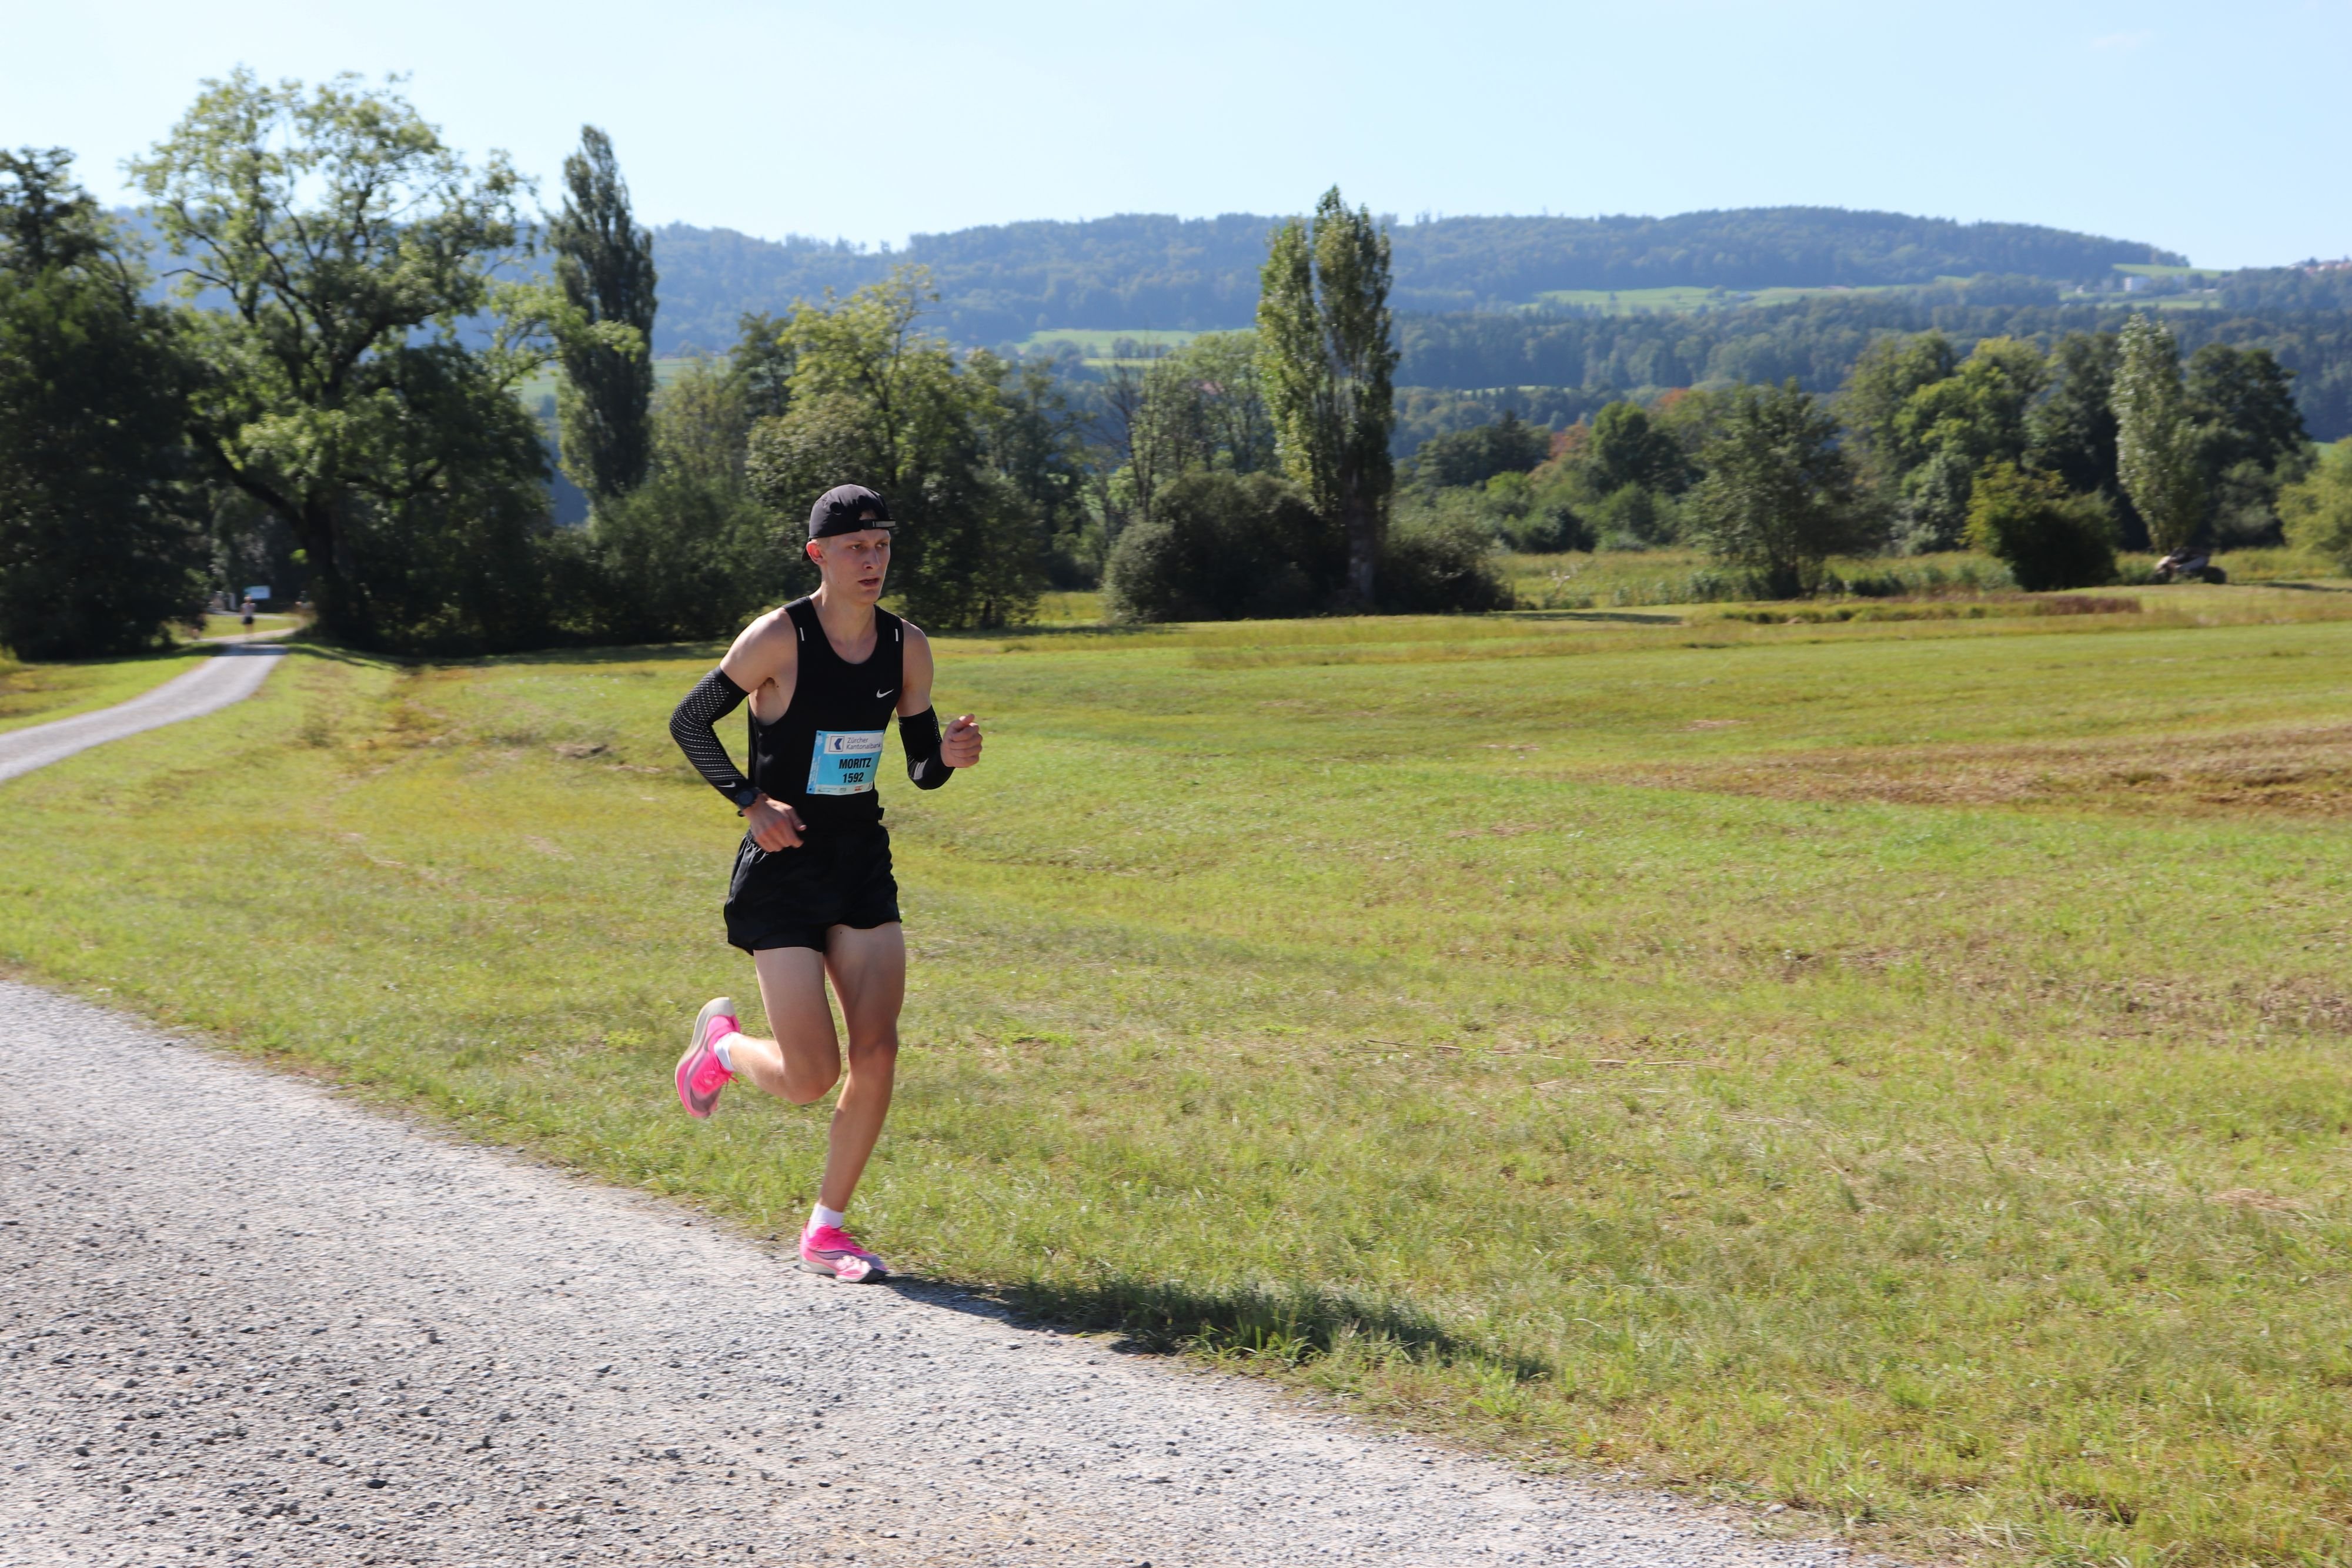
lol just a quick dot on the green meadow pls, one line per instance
(1893, 1070)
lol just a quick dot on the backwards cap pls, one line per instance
(846, 510)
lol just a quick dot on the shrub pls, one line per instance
(1225, 546)
(2319, 508)
(1433, 562)
(2049, 536)
(677, 558)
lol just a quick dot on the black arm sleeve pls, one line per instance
(920, 733)
(690, 723)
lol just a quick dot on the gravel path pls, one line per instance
(229, 676)
(243, 1320)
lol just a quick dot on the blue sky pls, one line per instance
(2216, 129)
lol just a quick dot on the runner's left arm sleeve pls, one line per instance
(920, 733)
(690, 724)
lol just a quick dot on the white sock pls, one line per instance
(721, 1052)
(822, 1216)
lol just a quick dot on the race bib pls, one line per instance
(844, 762)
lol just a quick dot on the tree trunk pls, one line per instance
(1361, 522)
(331, 603)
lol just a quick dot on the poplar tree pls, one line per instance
(2156, 444)
(604, 267)
(1328, 357)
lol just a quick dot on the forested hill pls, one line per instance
(1142, 270)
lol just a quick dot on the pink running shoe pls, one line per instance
(829, 1250)
(700, 1075)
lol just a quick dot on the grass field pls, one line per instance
(1680, 298)
(36, 694)
(1095, 345)
(1894, 1070)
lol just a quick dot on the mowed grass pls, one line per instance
(1526, 1029)
(37, 693)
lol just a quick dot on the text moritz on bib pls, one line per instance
(844, 761)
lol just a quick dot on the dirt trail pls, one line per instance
(229, 676)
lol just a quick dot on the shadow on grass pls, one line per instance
(1293, 1325)
(1626, 617)
(2304, 587)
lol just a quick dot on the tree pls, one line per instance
(346, 245)
(2049, 536)
(1472, 456)
(2250, 437)
(1328, 357)
(1975, 416)
(1881, 385)
(1224, 547)
(1627, 447)
(2318, 507)
(1779, 494)
(604, 267)
(2072, 432)
(101, 539)
(2156, 445)
(875, 400)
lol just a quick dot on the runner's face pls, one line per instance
(854, 564)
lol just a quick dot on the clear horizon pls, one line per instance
(2155, 123)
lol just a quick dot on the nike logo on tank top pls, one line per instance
(824, 753)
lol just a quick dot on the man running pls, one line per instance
(813, 896)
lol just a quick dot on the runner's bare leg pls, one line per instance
(868, 971)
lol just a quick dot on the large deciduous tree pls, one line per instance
(102, 541)
(344, 244)
(1779, 494)
(1327, 353)
(2156, 443)
(874, 400)
(604, 267)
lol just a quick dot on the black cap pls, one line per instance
(846, 509)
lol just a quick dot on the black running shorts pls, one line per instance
(791, 898)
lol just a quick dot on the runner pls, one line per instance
(813, 896)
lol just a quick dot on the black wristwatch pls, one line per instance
(744, 799)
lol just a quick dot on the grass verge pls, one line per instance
(1381, 1006)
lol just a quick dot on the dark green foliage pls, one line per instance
(2049, 536)
(1326, 359)
(1628, 448)
(2072, 432)
(1778, 496)
(1475, 455)
(2249, 438)
(1139, 269)
(681, 555)
(873, 401)
(101, 547)
(1889, 372)
(761, 364)
(604, 267)
(345, 245)
(1225, 546)
(2318, 507)
(1438, 562)
(1548, 362)
(446, 559)
(1031, 439)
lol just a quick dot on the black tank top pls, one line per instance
(824, 753)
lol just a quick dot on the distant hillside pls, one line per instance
(1005, 281)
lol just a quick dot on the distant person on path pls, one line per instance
(247, 612)
(813, 897)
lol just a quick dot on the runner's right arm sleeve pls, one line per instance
(690, 723)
